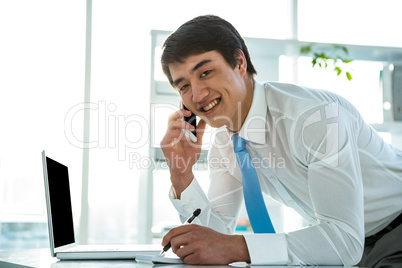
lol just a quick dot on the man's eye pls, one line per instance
(183, 87)
(205, 73)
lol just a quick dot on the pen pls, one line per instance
(188, 221)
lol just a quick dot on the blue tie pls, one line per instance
(255, 205)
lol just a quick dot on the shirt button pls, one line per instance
(291, 203)
(272, 178)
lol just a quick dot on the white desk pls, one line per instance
(41, 258)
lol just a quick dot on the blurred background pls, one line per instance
(94, 97)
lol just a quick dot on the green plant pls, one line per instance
(328, 55)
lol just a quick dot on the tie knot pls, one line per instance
(239, 144)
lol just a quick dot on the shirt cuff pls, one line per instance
(267, 249)
(192, 197)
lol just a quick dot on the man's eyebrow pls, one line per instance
(177, 81)
(199, 65)
(196, 67)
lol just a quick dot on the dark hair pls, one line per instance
(203, 34)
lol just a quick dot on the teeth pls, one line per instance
(210, 106)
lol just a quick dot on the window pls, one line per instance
(374, 23)
(42, 78)
(257, 18)
(365, 82)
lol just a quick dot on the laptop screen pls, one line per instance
(60, 203)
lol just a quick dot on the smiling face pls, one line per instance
(213, 90)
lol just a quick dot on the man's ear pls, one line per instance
(241, 61)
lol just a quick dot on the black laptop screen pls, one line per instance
(60, 203)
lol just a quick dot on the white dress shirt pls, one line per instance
(312, 152)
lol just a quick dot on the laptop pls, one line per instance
(61, 225)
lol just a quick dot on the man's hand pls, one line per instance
(179, 151)
(201, 245)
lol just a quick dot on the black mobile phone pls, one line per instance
(193, 121)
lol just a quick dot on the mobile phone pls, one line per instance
(193, 121)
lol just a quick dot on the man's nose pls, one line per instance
(199, 91)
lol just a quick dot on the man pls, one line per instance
(331, 166)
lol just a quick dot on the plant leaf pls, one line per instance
(348, 76)
(323, 60)
(338, 70)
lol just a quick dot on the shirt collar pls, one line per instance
(254, 127)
